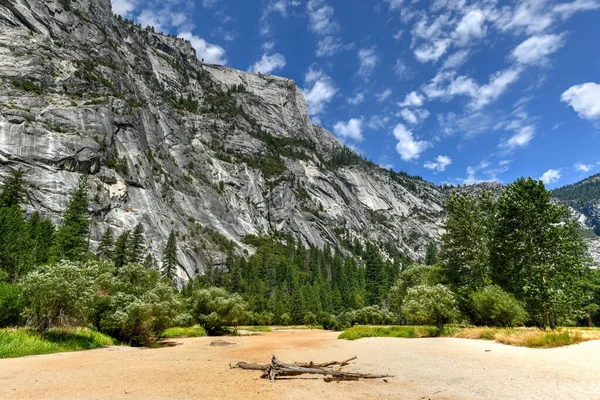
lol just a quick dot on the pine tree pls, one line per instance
(107, 243)
(42, 233)
(149, 262)
(121, 251)
(431, 256)
(72, 238)
(12, 192)
(169, 267)
(136, 245)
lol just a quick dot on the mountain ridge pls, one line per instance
(213, 153)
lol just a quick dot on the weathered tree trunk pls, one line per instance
(279, 369)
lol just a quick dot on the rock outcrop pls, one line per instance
(211, 152)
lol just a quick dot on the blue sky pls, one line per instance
(455, 91)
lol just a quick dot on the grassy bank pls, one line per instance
(194, 331)
(23, 342)
(524, 337)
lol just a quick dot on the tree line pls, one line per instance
(516, 259)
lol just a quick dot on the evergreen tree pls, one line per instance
(136, 245)
(16, 256)
(149, 262)
(42, 233)
(374, 274)
(107, 243)
(12, 191)
(169, 267)
(121, 252)
(72, 238)
(431, 254)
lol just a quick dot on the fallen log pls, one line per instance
(278, 369)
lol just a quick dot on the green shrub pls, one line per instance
(495, 307)
(372, 315)
(285, 319)
(310, 319)
(141, 305)
(184, 320)
(430, 305)
(215, 308)
(327, 321)
(61, 295)
(11, 305)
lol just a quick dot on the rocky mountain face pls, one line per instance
(210, 152)
(583, 198)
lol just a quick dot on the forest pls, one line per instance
(512, 260)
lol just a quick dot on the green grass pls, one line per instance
(23, 342)
(407, 332)
(194, 331)
(257, 328)
(523, 337)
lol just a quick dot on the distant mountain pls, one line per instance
(584, 198)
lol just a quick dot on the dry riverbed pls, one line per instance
(435, 368)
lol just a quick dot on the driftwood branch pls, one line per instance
(279, 369)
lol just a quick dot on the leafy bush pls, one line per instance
(327, 321)
(285, 319)
(495, 307)
(372, 315)
(430, 305)
(310, 319)
(61, 295)
(140, 307)
(11, 305)
(215, 308)
(184, 320)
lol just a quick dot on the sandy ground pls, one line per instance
(440, 368)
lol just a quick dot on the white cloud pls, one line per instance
(211, 53)
(209, 3)
(268, 63)
(565, 10)
(531, 16)
(409, 116)
(274, 7)
(432, 51)
(497, 85)
(394, 4)
(402, 70)
(584, 99)
(456, 60)
(268, 46)
(383, 96)
(368, 60)
(440, 163)
(357, 99)
(536, 49)
(349, 130)
(583, 167)
(377, 122)
(413, 99)
(520, 139)
(408, 147)
(331, 45)
(319, 91)
(123, 7)
(550, 176)
(321, 18)
(470, 27)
